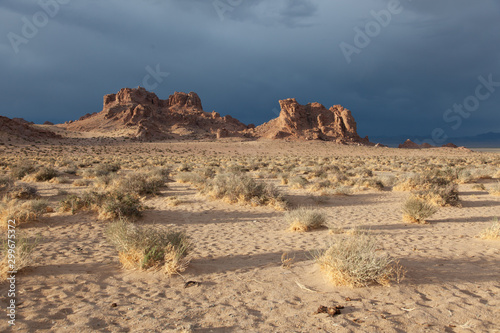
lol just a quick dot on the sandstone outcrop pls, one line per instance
(141, 114)
(311, 122)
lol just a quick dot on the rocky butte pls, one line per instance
(311, 122)
(141, 114)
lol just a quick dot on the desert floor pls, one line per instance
(76, 283)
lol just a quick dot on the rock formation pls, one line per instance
(311, 122)
(141, 114)
(408, 144)
(19, 128)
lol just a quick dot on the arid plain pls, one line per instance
(246, 269)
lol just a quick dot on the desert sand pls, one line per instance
(76, 282)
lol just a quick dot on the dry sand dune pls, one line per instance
(76, 283)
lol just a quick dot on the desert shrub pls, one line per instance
(24, 249)
(370, 183)
(109, 205)
(492, 232)
(174, 201)
(117, 205)
(355, 262)
(81, 182)
(320, 186)
(387, 180)
(337, 177)
(149, 248)
(422, 182)
(361, 172)
(495, 189)
(5, 183)
(18, 171)
(141, 183)
(70, 170)
(73, 203)
(101, 170)
(298, 182)
(184, 167)
(446, 195)
(284, 177)
(61, 180)
(21, 211)
(22, 191)
(342, 190)
(305, 219)
(190, 177)
(45, 174)
(242, 188)
(417, 210)
(479, 187)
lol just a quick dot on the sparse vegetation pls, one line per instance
(241, 188)
(21, 211)
(45, 174)
(141, 183)
(355, 262)
(495, 189)
(446, 195)
(148, 248)
(109, 205)
(22, 191)
(23, 255)
(21, 169)
(305, 219)
(417, 210)
(492, 232)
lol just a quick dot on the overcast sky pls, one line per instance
(397, 73)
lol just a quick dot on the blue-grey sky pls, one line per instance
(399, 66)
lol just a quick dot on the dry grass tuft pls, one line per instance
(417, 210)
(140, 183)
(147, 248)
(492, 232)
(305, 219)
(109, 205)
(355, 262)
(22, 191)
(21, 211)
(20, 170)
(446, 195)
(495, 189)
(24, 248)
(286, 260)
(241, 188)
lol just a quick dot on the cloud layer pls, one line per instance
(242, 56)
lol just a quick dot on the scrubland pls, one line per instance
(251, 236)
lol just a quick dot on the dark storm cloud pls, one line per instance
(241, 57)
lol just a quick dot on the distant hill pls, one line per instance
(486, 140)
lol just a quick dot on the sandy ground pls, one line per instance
(452, 284)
